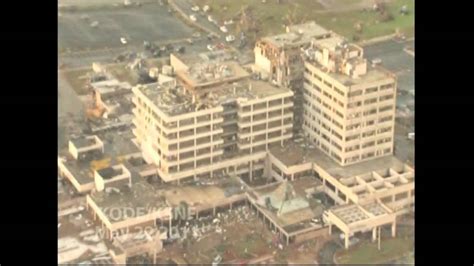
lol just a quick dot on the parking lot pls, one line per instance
(149, 22)
(395, 59)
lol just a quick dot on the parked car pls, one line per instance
(195, 8)
(223, 29)
(230, 38)
(216, 260)
(123, 40)
(376, 61)
(192, 17)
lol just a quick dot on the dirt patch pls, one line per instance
(77, 79)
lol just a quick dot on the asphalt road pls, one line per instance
(150, 22)
(201, 17)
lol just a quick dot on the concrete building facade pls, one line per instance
(349, 107)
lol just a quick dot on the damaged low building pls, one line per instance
(89, 154)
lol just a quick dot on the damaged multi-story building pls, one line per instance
(279, 59)
(344, 106)
(349, 107)
(218, 122)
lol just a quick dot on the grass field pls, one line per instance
(367, 253)
(271, 17)
(343, 23)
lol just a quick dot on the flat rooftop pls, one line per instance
(330, 43)
(178, 101)
(373, 74)
(109, 172)
(111, 86)
(83, 141)
(298, 34)
(116, 146)
(81, 170)
(208, 73)
(142, 197)
(300, 153)
(249, 89)
(122, 104)
(349, 213)
(202, 196)
(118, 143)
(214, 56)
(171, 101)
(153, 197)
(352, 213)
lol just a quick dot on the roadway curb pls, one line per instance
(377, 39)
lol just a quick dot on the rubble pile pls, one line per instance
(198, 229)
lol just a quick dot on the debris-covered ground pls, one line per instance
(80, 238)
(235, 234)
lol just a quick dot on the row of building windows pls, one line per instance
(370, 90)
(337, 90)
(367, 102)
(368, 123)
(386, 97)
(367, 134)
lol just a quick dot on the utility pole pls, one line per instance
(379, 239)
